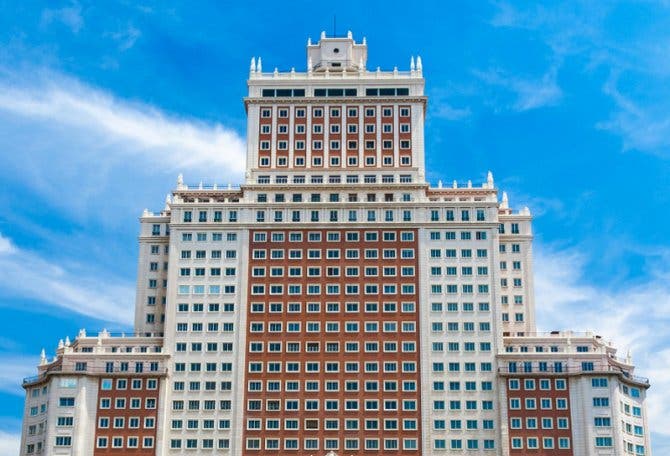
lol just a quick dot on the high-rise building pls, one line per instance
(335, 302)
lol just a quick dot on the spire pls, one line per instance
(309, 41)
(259, 66)
(350, 35)
(323, 34)
(168, 201)
(252, 67)
(365, 41)
(180, 179)
(43, 358)
(439, 183)
(454, 184)
(411, 64)
(419, 64)
(489, 179)
(505, 203)
(67, 341)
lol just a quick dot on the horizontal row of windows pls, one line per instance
(467, 326)
(333, 254)
(210, 327)
(348, 405)
(461, 367)
(350, 111)
(530, 384)
(545, 403)
(462, 386)
(335, 216)
(337, 179)
(216, 237)
(211, 307)
(202, 386)
(130, 442)
(333, 327)
(437, 289)
(200, 289)
(336, 144)
(203, 367)
(121, 422)
(538, 423)
(335, 128)
(331, 444)
(548, 443)
(455, 347)
(369, 215)
(456, 405)
(274, 386)
(120, 403)
(211, 347)
(454, 253)
(456, 425)
(213, 254)
(331, 366)
(454, 307)
(333, 307)
(449, 215)
(332, 236)
(221, 444)
(201, 272)
(207, 405)
(200, 424)
(371, 346)
(352, 289)
(332, 424)
(123, 384)
(464, 235)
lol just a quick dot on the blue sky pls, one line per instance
(103, 104)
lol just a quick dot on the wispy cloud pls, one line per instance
(589, 34)
(446, 111)
(641, 128)
(69, 16)
(57, 132)
(634, 315)
(11, 375)
(126, 37)
(528, 93)
(76, 288)
(152, 134)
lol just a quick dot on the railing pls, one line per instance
(570, 369)
(96, 371)
(337, 73)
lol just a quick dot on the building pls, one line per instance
(335, 302)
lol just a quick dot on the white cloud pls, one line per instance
(528, 93)
(16, 369)
(127, 37)
(140, 130)
(446, 111)
(69, 16)
(634, 315)
(641, 128)
(9, 443)
(77, 289)
(57, 133)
